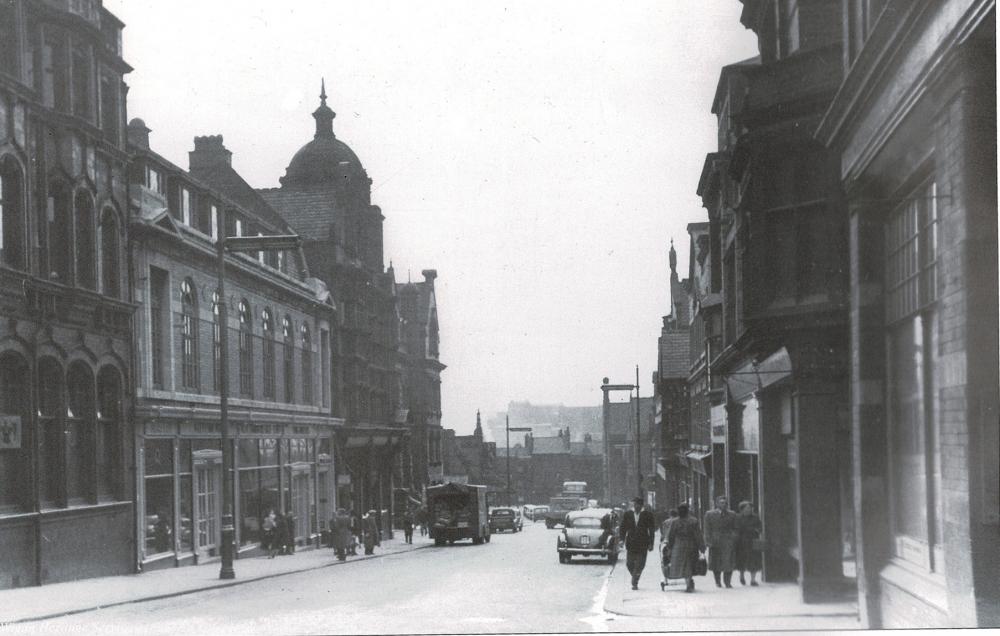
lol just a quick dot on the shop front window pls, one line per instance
(186, 539)
(912, 348)
(158, 522)
(14, 445)
(79, 433)
(109, 399)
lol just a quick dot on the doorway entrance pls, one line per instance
(207, 501)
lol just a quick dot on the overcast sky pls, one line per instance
(539, 155)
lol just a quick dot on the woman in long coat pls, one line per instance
(748, 529)
(685, 542)
(341, 533)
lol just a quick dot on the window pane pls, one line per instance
(249, 455)
(185, 513)
(158, 523)
(906, 402)
(250, 511)
(268, 452)
(14, 462)
(159, 456)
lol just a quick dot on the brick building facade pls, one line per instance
(914, 127)
(278, 326)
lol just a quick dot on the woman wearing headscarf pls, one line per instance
(685, 542)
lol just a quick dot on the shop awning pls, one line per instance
(754, 376)
(698, 461)
(361, 436)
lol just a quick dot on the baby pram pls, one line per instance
(665, 565)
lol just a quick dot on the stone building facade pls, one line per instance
(279, 326)
(914, 128)
(325, 196)
(66, 500)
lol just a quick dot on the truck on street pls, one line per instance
(458, 511)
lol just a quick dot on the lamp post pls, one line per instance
(638, 436)
(233, 244)
(518, 429)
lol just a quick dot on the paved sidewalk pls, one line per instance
(73, 597)
(770, 606)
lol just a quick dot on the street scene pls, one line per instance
(551, 317)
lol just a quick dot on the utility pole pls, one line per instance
(638, 436)
(518, 429)
(222, 245)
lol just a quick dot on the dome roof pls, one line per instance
(324, 160)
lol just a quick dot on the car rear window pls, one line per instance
(585, 522)
(503, 513)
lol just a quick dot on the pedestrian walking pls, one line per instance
(370, 529)
(422, 519)
(355, 532)
(638, 532)
(665, 526)
(408, 526)
(341, 534)
(268, 540)
(720, 535)
(748, 555)
(684, 543)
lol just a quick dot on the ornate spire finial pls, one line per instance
(324, 114)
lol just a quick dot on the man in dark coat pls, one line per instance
(638, 532)
(720, 535)
(341, 533)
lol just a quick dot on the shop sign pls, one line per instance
(750, 428)
(344, 479)
(156, 427)
(10, 432)
(719, 424)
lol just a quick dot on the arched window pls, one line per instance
(83, 206)
(189, 335)
(246, 349)
(109, 420)
(307, 370)
(80, 416)
(267, 326)
(55, 242)
(50, 431)
(288, 336)
(15, 459)
(110, 248)
(216, 343)
(12, 237)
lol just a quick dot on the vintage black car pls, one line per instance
(588, 532)
(505, 519)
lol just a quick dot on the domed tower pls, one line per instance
(326, 193)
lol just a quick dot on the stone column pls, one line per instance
(869, 438)
(817, 490)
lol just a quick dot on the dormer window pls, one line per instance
(154, 180)
(184, 206)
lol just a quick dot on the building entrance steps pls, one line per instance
(768, 606)
(73, 597)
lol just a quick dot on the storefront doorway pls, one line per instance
(207, 497)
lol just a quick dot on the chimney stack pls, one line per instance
(209, 152)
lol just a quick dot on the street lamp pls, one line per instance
(518, 429)
(234, 244)
(607, 389)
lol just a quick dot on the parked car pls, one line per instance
(504, 518)
(588, 532)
